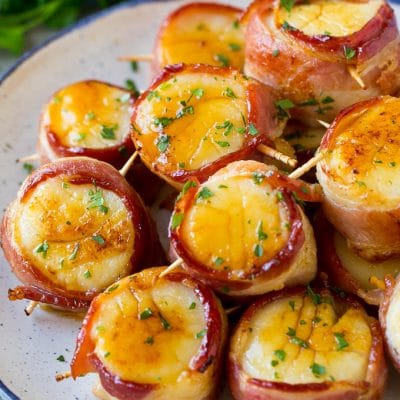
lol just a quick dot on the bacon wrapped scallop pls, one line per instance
(153, 338)
(195, 119)
(306, 345)
(92, 118)
(75, 228)
(87, 118)
(360, 177)
(346, 269)
(323, 55)
(242, 233)
(205, 33)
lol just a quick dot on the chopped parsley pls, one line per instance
(176, 220)
(287, 5)
(261, 235)
(340, 341)
(283, 106)
(162, 121)
(236, 24)
(187, 186)
(315, 297)
(98, 239)
(309, 102)
(149, 340)
(112, 288)
(280, 354)
(274, 363)
(27, 167)
(327, 100)
(201, 334)
(235, 46)
(258, 177)
(348, 52)
(222, 59)
(108, 132)
(87, 274)
(90, 115)
(107, 354)
(258, 250)
(287, 27)
(42, 248)
(222, 144)
(153, 94)
(253, 130)
(61, 358)
(205, 193)
(74, 253)
(188, 110)
(192, 306)
(292, 304)
(227, 126)
(279, 196)
(145, 314)
(163, 142)
(318, 370)
(219, 261)
(275, 53)
(130, 85)
(96, 200)
(165, 324)
(134, 66)
(228, 92)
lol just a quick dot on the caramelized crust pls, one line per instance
(87, 118)
(75, 227)
(195, 119)
(206, 33)
(242, 233)
(297, 64)
(151, 338)
(360, 177)
(306, 344)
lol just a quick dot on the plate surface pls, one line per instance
(29, 347)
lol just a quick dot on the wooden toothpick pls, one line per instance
(173, 266)
(307, 166)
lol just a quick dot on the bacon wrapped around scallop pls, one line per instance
(75, 228)
(92, 118)
(153, 338)
(323, 55)
(205, 33)
(195, 119)
(87, 118)
(360, 177)
(242, 233)
(306, 345)
(346, 269)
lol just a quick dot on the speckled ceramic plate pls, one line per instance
(29, 347)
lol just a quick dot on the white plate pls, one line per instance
(29, 347)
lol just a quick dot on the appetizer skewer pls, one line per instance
(153, 338)
(294, 46)
(242, 233)
(75, 228)
(306, 344)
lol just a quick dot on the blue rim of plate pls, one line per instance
(5, 392)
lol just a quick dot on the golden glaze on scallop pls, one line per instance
(78, 236)
(201, 33)
(88, 114)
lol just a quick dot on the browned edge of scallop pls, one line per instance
(257, 95)
(214, 8)
(280, 263)
(111, 154)
(208, 356)
(373, 385)
(80, 171)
